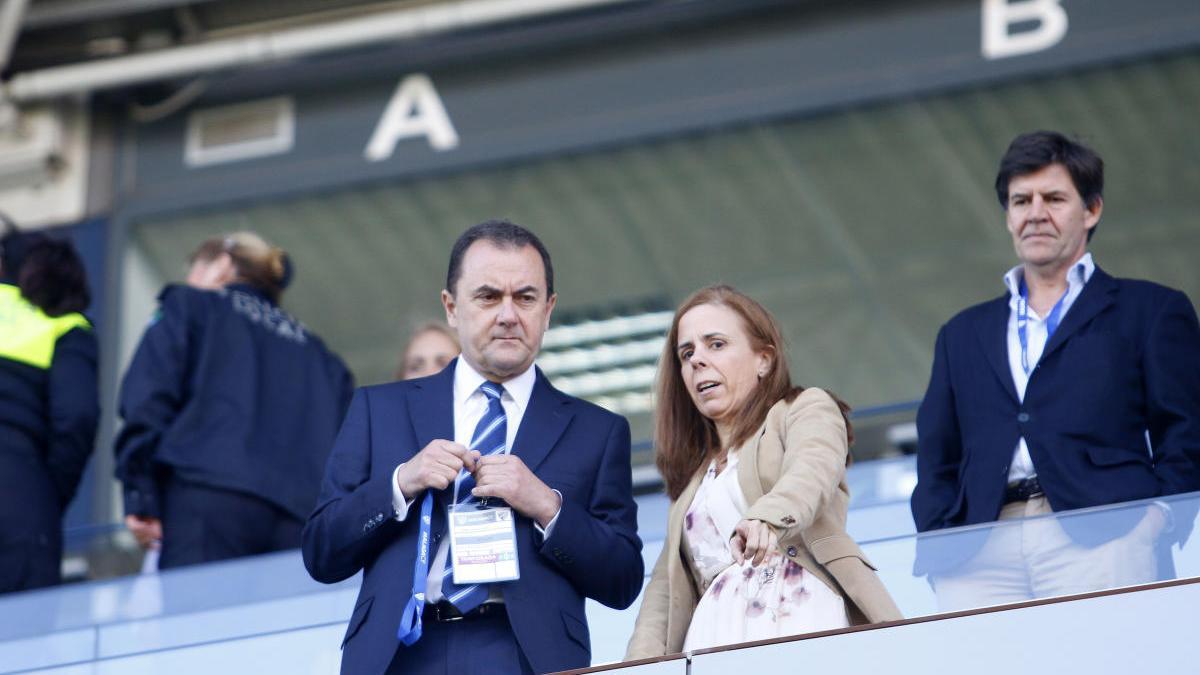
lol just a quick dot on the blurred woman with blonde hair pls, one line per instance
(430, 348)
(230, 405)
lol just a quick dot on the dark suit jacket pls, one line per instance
(1126, 359)
(593, 551)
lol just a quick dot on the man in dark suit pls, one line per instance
(1073, 389)
(488, 431)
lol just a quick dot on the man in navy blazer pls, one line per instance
(1073, 389)
(564, 471)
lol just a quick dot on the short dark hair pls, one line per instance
(48, 270)
(503, 234)
(1035, 151)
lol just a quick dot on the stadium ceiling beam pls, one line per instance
(51, 13)
(11, 14)
(280, 45)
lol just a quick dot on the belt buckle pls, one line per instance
(447, 618)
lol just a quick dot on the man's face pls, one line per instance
(500, 308)
(1048, 219)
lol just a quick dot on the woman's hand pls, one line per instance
(752, 540)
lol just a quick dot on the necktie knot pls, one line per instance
(491, 390)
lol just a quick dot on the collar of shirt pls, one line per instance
(1077, 276)
(467, 380)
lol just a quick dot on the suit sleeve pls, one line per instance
(596, 547)
(74, 409)
(814, 461)
(153, 393)
(939, 447)
(352, 521)
(649, 637)
(1172, 382)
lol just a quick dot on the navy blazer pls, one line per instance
(229, 391)
(593, 551)
(1126, 359)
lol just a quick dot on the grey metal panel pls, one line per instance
(632, 90)
(863, 231)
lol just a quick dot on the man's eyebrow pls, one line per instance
(485, 289)
(528, 289)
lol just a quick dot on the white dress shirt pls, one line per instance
(1036, 336)
(470, 405)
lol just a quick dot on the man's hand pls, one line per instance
(752, 540)
(147, 531)
(507, 477)
(435, 466)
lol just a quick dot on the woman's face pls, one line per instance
(211, 275)
(720, 367)
(428, 353)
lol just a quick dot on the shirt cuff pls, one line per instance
(399, 503)
(550, 525)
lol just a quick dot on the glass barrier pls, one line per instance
(155, 611)
(1033, 554)
(1034, 557)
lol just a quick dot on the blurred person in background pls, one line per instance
(230, 408)
(1071, 389)
(431, 347)
(755, 467)
(48, 400)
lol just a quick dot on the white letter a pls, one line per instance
(414, 110)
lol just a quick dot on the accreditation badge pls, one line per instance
(483, 544)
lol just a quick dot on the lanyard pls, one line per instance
(410, 620)
(1052, 321)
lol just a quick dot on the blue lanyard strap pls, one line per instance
(410, 620)
(1052, 321)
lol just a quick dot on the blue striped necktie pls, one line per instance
(490, 438)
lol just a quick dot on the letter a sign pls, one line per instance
(1000, 15)
(414, 111)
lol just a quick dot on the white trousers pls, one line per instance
(1035, 558)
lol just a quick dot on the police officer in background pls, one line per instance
(48, 401)
(230, 407)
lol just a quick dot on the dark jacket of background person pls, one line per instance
(1124, 362)
(48, 417)
(227, 390)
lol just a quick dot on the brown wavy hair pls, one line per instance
(687, 440)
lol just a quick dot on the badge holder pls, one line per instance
(483, 542)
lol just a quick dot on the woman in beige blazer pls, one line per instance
(725, 399)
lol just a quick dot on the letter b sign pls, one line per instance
(1000, 15)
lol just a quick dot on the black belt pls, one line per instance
(1023, 490)
(444, 611)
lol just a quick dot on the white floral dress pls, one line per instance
(741, 603)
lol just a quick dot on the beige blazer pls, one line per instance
(793, 474)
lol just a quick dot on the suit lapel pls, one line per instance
(543, 423)
(1099, 292)
(431, 407)
(992, 330)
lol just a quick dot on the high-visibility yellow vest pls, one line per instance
(27, 335)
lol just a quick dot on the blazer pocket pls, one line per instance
(1106, 456)
(357, 618)
(577, 630)
(827, 549)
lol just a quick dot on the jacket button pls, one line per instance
(1023, 417)
(788, 520)
(791, 551)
